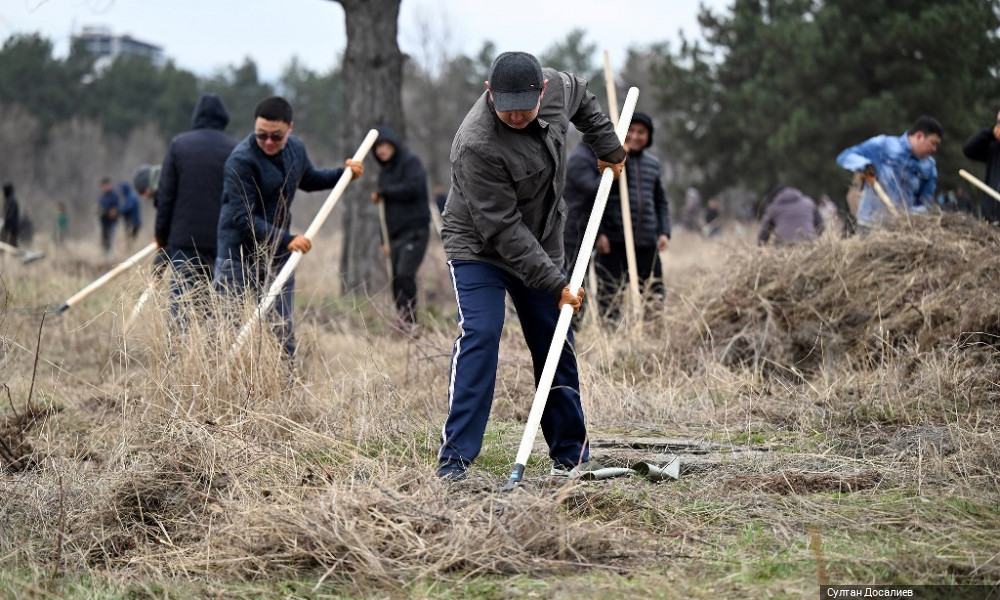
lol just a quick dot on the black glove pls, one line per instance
(868, 174)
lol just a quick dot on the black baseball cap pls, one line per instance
(516, 81)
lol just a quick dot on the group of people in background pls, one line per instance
(894, 175)
(117, 202)
(224, 208)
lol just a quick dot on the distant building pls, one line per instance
(107, 47)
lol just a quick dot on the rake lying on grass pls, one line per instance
(26, 256)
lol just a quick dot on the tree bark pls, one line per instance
(373, 76)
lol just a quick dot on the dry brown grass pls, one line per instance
(814, 393)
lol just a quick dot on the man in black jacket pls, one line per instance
(402, 185)
(11, 216)
(984, 146)
(503, 234)
(189, 196)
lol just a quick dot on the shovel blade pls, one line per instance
(29, 257)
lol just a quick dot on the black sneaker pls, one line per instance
(452, 471)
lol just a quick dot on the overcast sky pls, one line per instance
(207, 35)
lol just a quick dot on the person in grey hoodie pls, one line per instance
(188, 197)
(791, 216)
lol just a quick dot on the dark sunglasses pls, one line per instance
(274, 137)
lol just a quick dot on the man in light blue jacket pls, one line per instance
(902, 165)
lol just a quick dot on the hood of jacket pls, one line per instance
(210, 113)
(386, 134)
(645, 119)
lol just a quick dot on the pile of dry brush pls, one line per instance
(923, 284)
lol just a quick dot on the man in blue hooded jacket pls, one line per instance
(254, 238)
(131, 211)
(402, 185)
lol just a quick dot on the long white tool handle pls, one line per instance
(386, 246)
(889, 205)
(635, 300)
(11, 249)
(293, 261)
(992, 193)
(143, 299)
(566, 313)
(125, 265)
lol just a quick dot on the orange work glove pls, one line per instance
(356, 167)
(568, 298)
(616, 168)
(376, 198)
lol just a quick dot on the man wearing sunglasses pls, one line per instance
(254, 237)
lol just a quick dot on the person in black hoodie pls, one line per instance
(650, 214)
(984, 146)
(11, 216)
(188, 196)
(402, 185)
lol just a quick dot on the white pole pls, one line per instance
(566, 313)
(635, 300)
(146, 295)
(386, 247)
(992, 193)
(11, 249)
(125, 265)
(293, 261)
(889, 205)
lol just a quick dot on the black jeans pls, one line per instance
(406, 251)
(612, 275)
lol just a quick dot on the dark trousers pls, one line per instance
(612, 275)
(235, 275)
(480, 289)
(406, 250)
(108, 231)
(191, 276)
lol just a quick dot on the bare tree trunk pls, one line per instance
(373, 77)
